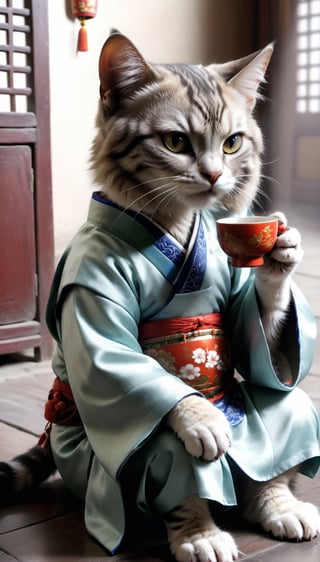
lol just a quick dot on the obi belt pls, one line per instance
(195, 349)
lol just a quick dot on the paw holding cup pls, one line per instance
(247, 239)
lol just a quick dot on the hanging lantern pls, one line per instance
(83, 10)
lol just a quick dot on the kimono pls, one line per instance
(121, 270)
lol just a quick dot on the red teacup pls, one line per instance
(247, 239)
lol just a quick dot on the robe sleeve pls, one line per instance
(115, 386)
(251, 351)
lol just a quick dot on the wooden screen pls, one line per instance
(26, 228)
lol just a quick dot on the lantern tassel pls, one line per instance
(83, 37)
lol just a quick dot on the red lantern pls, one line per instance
(83, 10)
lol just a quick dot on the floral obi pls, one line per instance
(195, 349)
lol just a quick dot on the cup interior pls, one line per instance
(248, 220)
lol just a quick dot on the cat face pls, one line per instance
(177, 137)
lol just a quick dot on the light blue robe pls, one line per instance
(118, 271)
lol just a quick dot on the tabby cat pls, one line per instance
(173, 140)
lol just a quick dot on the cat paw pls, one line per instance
(295, 522)
(286, 254)
(204, 547)
(204, 430)
(193, 535)
(287, 249)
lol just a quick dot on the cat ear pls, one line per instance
(246, 74)
(122, 69)
(248, 79)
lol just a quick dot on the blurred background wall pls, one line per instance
(177, 31)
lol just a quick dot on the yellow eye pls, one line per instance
(232, 144)
(176, 142)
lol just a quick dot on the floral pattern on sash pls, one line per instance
(203, 362)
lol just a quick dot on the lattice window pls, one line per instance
(15, 53)
(308, 56)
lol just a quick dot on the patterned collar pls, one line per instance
(185, 269)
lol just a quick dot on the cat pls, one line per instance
(173, 140)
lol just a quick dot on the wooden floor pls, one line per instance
(47, 526)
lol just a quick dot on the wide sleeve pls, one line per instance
(251, 352)
(121, 394)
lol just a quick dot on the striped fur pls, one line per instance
(193, 535)
(172, 139)
(25, 471)
(203, 110)
(141, 103)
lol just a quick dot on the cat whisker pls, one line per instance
(154, 190)
(147, 182)
(147, 194)
(275, 161)
(259, 204)
(270, 179)
(261, 194)
(165, 194)
(160, 192)
(262, 176)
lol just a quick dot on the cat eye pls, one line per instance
(232, 144)
(176, 142)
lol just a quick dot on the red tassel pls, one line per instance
(44, 440)
(83, 37)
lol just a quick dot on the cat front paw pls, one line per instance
(298, 521)
(204, 430)
(193, 535)
(286, 254)
(205, 547)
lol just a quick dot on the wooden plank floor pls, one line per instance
(47, 525)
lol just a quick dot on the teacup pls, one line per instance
(247, 239)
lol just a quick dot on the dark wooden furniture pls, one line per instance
(26, 226)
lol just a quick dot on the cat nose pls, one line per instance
(213, 176)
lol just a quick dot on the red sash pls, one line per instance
(194, 349)
(60, 408)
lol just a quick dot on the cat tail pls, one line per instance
(26, 471)
(31, 468)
